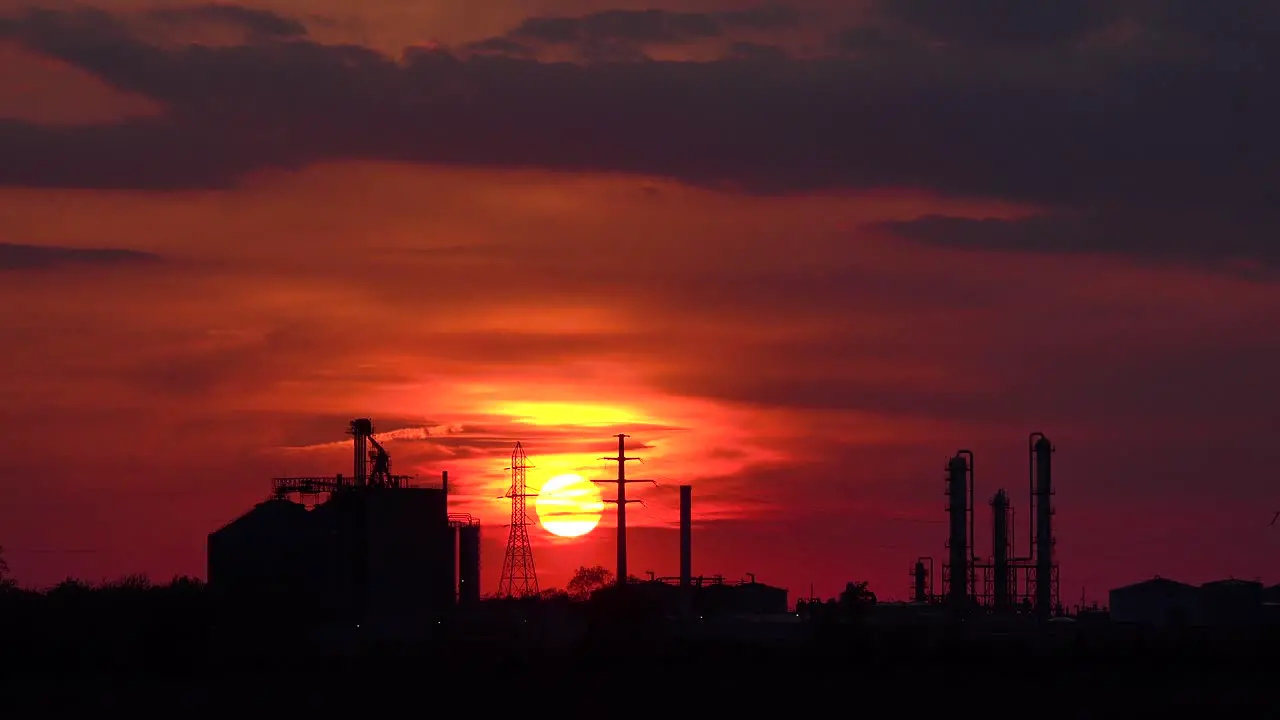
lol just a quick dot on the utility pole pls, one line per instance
(621, 501)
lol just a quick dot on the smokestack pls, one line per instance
(686, 551)
(686, 535)
(444, 482)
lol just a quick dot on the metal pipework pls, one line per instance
(1031, 494)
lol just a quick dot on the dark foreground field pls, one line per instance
(710, 688)
(165, 652)
(614, 671)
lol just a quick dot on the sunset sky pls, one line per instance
(800, 252)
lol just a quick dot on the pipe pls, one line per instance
(444, 482)
(1031, 494)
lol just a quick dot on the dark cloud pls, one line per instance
(500, 46)
(1204, 236)
(643, 27)
(1005, 23)
(650, 27)
(1241, 25)
(756, 52)
(43, 257)
(260, 23)
(1120, 136)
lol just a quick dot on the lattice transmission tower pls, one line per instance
(519, 579)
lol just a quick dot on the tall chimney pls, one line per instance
(444, 482)
(686, 535)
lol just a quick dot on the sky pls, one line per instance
(800, 252)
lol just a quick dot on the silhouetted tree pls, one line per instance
(587, 580)
(553, 594)
(857, 594)
(6, 582)
(135, 582)
(855, 599)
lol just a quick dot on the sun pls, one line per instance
(569, 506)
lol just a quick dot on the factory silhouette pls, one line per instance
(1007, 582)
(374, 549)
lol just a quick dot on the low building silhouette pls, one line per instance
(1158, 602)
(1231, 602)
(715, 597)
(1161, 602)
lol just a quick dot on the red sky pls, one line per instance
(801, 253)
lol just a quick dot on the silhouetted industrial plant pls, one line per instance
(1006, 582)
(366, 546)
(372, 546)
(329, 567)
(360, 561)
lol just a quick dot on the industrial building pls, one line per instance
(1161, 602)
(692, 596)
(714, 597)
(1006, 582)
(352, 549)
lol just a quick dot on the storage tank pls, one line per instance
(469, 565)
(1231, 602)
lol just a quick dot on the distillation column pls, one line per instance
(1001, 592)
(1042, 451)
(958, 509)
